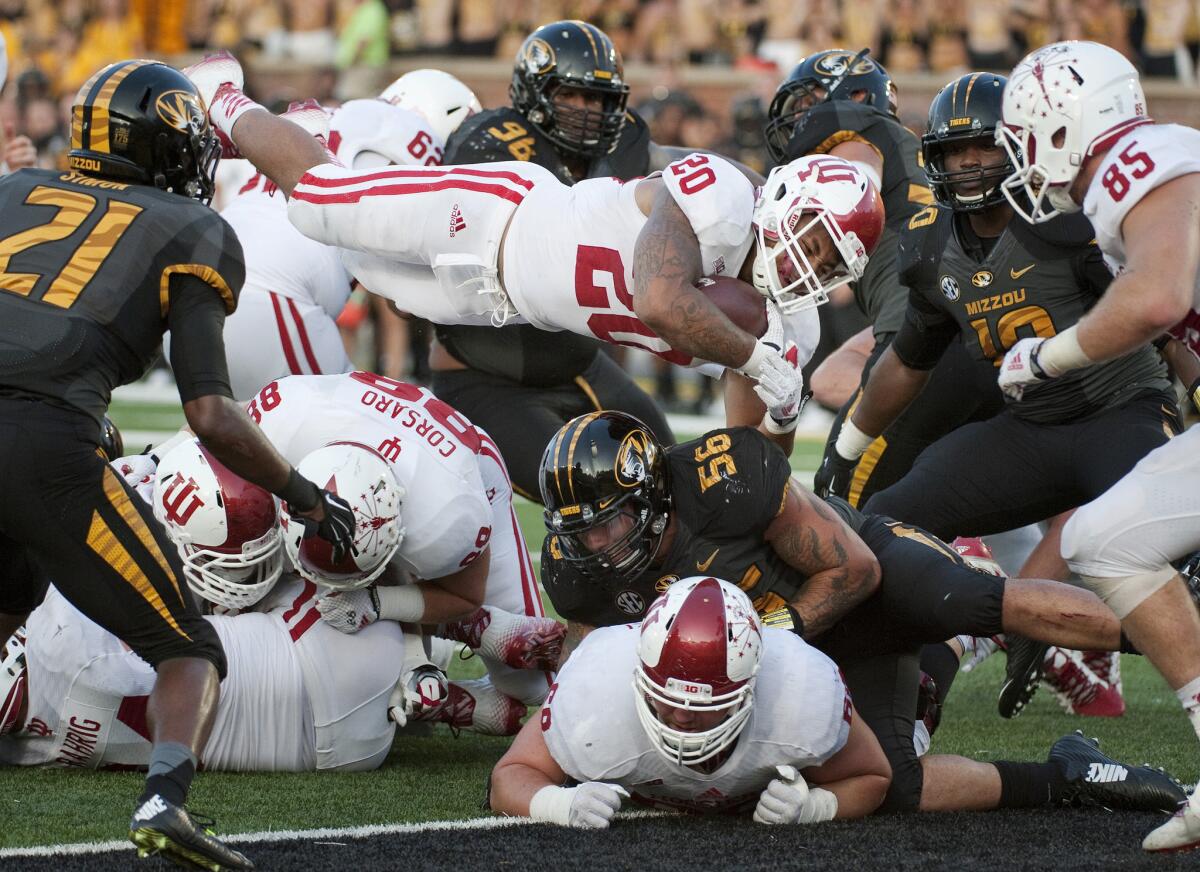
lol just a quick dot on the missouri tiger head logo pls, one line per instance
(538, 56)
(981, 279)
(180, 110)
(837, 63)
(633, 457)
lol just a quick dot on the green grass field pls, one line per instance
(440, 777)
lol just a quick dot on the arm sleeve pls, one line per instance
(196, 319)
(925, 334)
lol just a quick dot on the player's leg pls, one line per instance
(114, 562)
(1121, 544)
(22, 586)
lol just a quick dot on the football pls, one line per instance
(740, 302)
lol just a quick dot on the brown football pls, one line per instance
(740, 302)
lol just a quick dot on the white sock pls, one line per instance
(1189, 698)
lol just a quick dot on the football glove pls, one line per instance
(420, 691)
(789, 800)
(349, 611)
(834, 475)
(336, 528)
(138, 471)
(590, 806)
(1020, 368)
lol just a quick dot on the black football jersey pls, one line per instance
(520, 352)
(1037, 280)
(85, 277)
(726, 488)
(905, 191)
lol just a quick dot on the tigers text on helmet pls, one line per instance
(602, 472)
(700, 650)
(438, 97)
(1064, 103)
(812, 192)
(577, 55)
(360, 476)
(840, 75)
(144, 122)
(966, 111)
(226, 529)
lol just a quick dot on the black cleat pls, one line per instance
(1022, 675)
(1096, 779)
(163, 828)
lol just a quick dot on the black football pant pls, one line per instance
(1004, 473)
(927, 595)
(960, 390)
(522, 419)
(67, 513)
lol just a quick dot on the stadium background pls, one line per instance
(701, 72)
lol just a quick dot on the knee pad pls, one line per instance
(1125, 594)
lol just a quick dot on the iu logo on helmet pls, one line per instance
(180, 500)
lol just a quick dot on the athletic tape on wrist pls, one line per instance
(403, 603)
(852, 442)
(553, 805)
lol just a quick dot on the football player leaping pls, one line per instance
(703, 710)
(1076, 127)
(602, 258)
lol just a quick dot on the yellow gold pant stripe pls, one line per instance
(129, 514)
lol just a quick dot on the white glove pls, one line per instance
(348, 611)
(774, 333)
(780, 385)
(1020, 368)
(420, 692)
(590, 806)
(212, 71)
(789, 800)
(219, 79)
(138, 471)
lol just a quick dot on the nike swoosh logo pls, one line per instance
(604, 504)
(703, 567)
(1017, 273)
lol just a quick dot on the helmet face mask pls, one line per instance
(699, 652)
(604, 480)
(578, 55)
(966, 112)
(836, 74)
(827, 200)
(144, 122)
(1064, 103)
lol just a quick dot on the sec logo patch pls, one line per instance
(631, 602)
(950, 288)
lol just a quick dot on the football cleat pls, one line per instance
(1021, 675)
(1181, 833)
(1096, 779)
(516, 640)
(213, 71)
(477, 706)
(168, 830)
(1078, 689)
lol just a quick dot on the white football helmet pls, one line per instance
(439, 97)
(226, 529)
(1063, 103)
(796, 198)
(361, 477)
(700, 649)
(13, 680)
(977, 555)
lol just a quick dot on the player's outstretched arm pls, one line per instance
(278, 148)
(834, 382)
(858, 775)
(666, 265)
(841, 570)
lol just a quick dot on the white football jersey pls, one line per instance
(568, 256)
(432, 450)
(801, 717)
(298, 695)
(373, 133)
(279, 258)
(1140, 161)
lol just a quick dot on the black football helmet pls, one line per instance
(842, 74)
(969, 108)
(580, 55)
(111, 442)
(596, 468)
(144, 122)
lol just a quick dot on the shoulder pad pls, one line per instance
(921, 245)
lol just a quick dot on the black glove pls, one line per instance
(834, 476)
(337, 528)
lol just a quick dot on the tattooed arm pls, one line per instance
(842, 572)
(666, 265)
